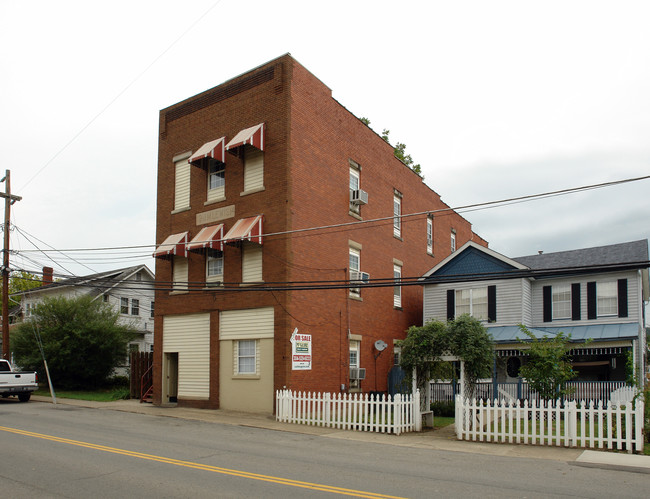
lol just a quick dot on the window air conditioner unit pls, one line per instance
(357, 373)
(358, 197)
(360, 277)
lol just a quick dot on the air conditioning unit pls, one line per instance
(357, 373)
(358, 197)
(361, 277)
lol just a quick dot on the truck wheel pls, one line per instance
(24, 396)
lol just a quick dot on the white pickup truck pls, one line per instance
(17, 383)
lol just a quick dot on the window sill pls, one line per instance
(397, 307)
(398, 237)
(430, 253)
(179, 292)
(252, 191)
(355, 297)
(181, 210)
(355, 215)
(246, 284)
(246, 376)
(216, 200)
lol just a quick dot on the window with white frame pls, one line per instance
(561, 301)
(354, 266)
(135, 306)
(214, 266)
(472, 301)
(453, 240)
(355, 362)
(246, 357)
(430, 235)
(607, 293)
(124, 306)
(216, 180)
(397, 215)
(354, 186)
(397, 289)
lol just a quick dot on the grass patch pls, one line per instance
(107, 395)
(442, 421)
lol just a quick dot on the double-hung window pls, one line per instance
(354, 186)
(430, 235)
(397, 215)
(397, 289)
(216, 180)
(214, 266)
(607, 293)
(561, 301)
(246, 356)
(135, 306)
(453, 240)
(124, 306)
(354, 267)
(473, 302)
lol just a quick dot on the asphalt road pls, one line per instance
(68, 451)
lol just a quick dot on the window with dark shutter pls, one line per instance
(622, 297)
(575, 301)
(451, 304)
(492, 303)
(548, 300)
(592, 303)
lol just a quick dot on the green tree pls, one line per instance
(20, 281)
(81, 339)
(399, 150)
(548, 367)
(465, 338)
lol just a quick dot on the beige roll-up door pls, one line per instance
(189, 335)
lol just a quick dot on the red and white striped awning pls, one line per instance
(214, 149)
(249, 229)
(174, 245)
(253, 136)
(208, 238)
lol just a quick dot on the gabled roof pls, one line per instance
(100, 283)
(473, 262)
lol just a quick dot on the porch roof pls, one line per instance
(595, 332)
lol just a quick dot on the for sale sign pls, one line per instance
(300, 351)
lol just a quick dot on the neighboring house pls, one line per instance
(595, 294)
(246, 171)
(129, 290)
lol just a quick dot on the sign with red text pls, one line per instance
(300, 351)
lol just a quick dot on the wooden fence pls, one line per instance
(377, 413)
(561, 423)
(140, 366)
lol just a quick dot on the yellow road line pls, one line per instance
(203, 467)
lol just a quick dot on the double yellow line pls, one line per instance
(203, 467)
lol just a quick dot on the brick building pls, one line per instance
(244, 169)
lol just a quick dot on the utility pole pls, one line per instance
(9, 200)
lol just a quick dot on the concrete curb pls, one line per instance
(441, 439)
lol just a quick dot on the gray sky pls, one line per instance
(494, 99)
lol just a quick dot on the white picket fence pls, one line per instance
(377, 413)
(570, 424)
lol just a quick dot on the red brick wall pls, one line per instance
(309, 140)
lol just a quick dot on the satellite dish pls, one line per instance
(380, 345)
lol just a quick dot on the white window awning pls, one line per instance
(214, 149)
(253, 136)
(208, 238)
(174, 245)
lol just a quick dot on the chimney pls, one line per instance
(47, 275)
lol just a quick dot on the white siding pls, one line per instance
(182, 185)
(253, 169)
(189, 335)
(246, 324)
(633, 299)
(251, 263)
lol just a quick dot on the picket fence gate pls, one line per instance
(363, 412)
(593, 424)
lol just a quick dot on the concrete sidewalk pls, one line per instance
(440, 439)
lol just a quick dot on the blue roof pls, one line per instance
(595, 332)
(472, 261)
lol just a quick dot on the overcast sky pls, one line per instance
(494, 99)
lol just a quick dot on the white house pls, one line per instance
(129, 290)
(597, 295)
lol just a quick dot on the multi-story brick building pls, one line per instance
(267, 186)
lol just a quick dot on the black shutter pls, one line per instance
(575, 301)
(622, 297)
(492, 303)
(451, 304)
(592, 304)
(548, 310)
